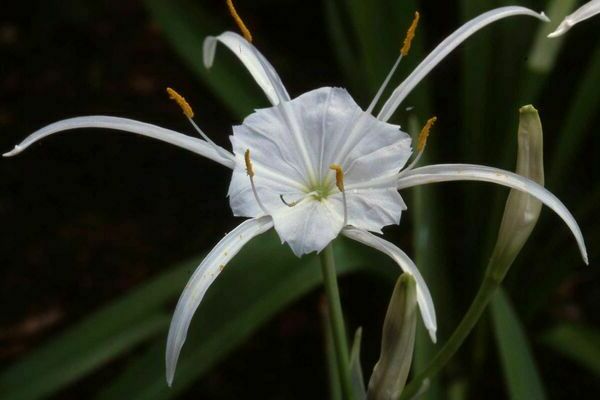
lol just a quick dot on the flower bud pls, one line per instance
(522, 210)
(397, 342)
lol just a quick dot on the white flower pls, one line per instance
(282, 164)
(588, 10)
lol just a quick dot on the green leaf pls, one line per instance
(358, 381)
(65, 370)
(579, 343)
(99, 338)
(544, 52)
(185, 25)
(520, 370)
(581, 113)
(231, 312)
(476, 71)
(340, 42)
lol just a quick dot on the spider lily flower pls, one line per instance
(314, 167)
(588, 10)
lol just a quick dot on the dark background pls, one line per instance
(87, 215)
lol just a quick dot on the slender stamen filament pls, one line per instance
(189, 114)
(339, 182)
(250, 172)
(421, 143)
(384, 84)
(292, 204)
(410, 34)
(238, 20)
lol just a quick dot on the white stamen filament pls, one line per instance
(300, 200)
(339, 182)
(384, 84)
(250, 172)
(413, 163)
(345, 207)
(218, 149)
(260, 203)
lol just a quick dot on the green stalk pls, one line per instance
(338, 329)
(491, 282)
(521, 213)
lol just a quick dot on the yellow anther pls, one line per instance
(425, 133)
(180, 100)
(238, 20)
(339, 176)
(249, 169)
(410, 35)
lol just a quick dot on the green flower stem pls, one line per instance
(336, 317)
(495, 273)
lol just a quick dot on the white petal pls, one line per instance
(318, 128)
(586, 11)
(407, 265)
(371, 209)
(201, 280)
(444, 48)
(292, 146)
(261, 70)
(308, 226)
(468, 172)
(269, 187)
(193, 144)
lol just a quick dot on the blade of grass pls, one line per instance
(362, 16)
(579, 343)
(340, 41)
(358, 381)
(580, 116)
(544, 52)
(520, 370)
(87, 345)
(225, 320)
(73, 368)
(477, 58)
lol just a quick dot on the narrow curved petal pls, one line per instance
(407, 265)
(261, 70)
(444, 48)
(201, 280)
(192, 144)
(584, 12)
(468, 172)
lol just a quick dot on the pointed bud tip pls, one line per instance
(529, 108)
(544, 17)
(406, 278)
